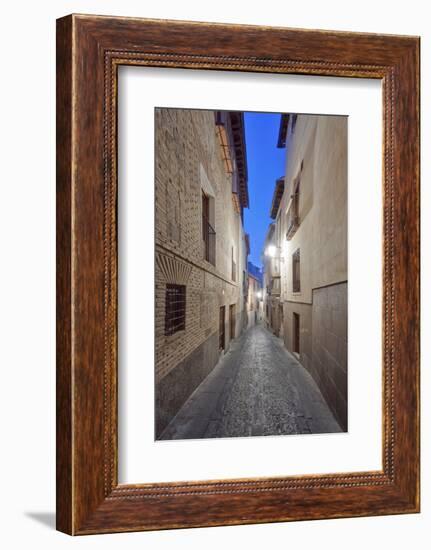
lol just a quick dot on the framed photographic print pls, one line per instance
(237, 274)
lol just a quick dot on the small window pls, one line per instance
(296, 200)
(296, 281)
(292, 216)
(205, 214)
(175, 312)
(208, 233)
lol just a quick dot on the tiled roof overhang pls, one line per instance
(282, 132)
(238, 135)
(276, 198)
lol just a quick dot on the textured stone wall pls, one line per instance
(323, 343)
(329, 347)
(305, 347)
(188, 160)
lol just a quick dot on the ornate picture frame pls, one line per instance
(89, 51)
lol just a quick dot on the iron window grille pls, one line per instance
(175, 312)
(208, 233)
(209, 238)
(292, 221)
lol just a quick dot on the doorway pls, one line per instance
(221, 337)
(296, 332)
(232, 321)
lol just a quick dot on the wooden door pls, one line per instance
(232, 321)
(221, 341)
(296, 331)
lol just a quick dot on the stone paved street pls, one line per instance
(257, 388)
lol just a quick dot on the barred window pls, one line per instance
(208, 233)
(292, 221)
(175, 312)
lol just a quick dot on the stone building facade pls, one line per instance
(306, 252)
(200, 248)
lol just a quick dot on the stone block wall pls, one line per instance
(323, 343)
(329, 349)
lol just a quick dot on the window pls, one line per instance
(296, 281)
(275, 286)
(175, 311)
(296, 197)
(208, 233)
(292, 222)
(205, 213)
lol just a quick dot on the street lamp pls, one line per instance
(259, 294)
(274, 251)
(271, 250)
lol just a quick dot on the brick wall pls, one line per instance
(188, 159)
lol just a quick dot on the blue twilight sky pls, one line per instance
(265, 164)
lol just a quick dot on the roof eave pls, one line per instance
(282, 132)
(276, 198)
(238, 131)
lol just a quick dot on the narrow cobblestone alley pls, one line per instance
(258, 388)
